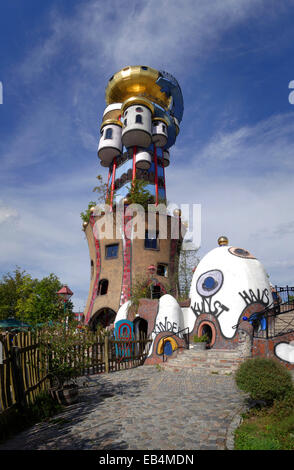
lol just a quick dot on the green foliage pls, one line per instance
(85, 216)
(66, 345)
(101, 194)
(31, 300)
(18, 419)
(267, 428)
(200, 339)
(9, 292)
(140, 290)
(100, 189)
(138, 194)
(43, 408)
(264, 379)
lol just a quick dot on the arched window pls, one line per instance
(102, 287)
(139, 109)
(108, 134)
(125, 123)
(92, 268)
(139, 119)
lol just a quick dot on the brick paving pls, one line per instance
(145, 409)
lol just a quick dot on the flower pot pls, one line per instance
(67, 395)
(199, 346)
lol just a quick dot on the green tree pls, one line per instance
(31, 300)
(9, 286)
(38, 300)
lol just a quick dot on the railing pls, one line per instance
(273, 321)
(185, 337)
(284, 294)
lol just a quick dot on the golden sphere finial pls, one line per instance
(177, 213)
(222, 241)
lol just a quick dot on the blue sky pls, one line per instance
(234, 155)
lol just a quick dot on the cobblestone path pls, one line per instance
(145, 409)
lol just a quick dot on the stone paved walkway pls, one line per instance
(142, 408)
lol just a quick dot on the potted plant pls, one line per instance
(199, 342)
(64, 346)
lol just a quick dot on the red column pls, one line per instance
(156, 176)
(107, 192)
(112, 182)
(134, 162)
(163, 168)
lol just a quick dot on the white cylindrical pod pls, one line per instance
(110, 144)
(143, 159)
(177, 125)
(159, 132)
(165, 158)
(137, 122)
(112, 111)
(104, 163)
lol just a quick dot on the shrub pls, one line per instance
(200, 339)
(264, 379)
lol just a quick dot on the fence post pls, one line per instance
(106, 353)
(17, 376)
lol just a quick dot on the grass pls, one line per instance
(270, 428)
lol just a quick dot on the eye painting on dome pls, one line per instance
(241, 253)
(209, 283)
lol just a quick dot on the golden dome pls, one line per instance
(110, 121)
(223, 241)
(137, 100)
(136, 80)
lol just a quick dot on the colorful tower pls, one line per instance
(144, 108)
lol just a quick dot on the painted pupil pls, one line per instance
(209, 283)
(239, 251)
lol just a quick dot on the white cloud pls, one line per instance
(165, 34)
(7, 213)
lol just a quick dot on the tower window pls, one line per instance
(155, 292)
(125, 123)
(102, 287)
(139, 109)
(162, 270)
(108, 134)
(111, 251)
(92, 268)
(151, 241)
(139, 119)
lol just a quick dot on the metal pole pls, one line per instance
(156, 175)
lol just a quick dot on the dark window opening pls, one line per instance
(139, 119)
(111, 251)
(162, 270)
(102, 287)
(125, 123)
(151, 241)
(108, 134)
(92, 268)
(155, 292)
(139, 109)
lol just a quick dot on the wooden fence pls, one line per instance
(24, 370)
